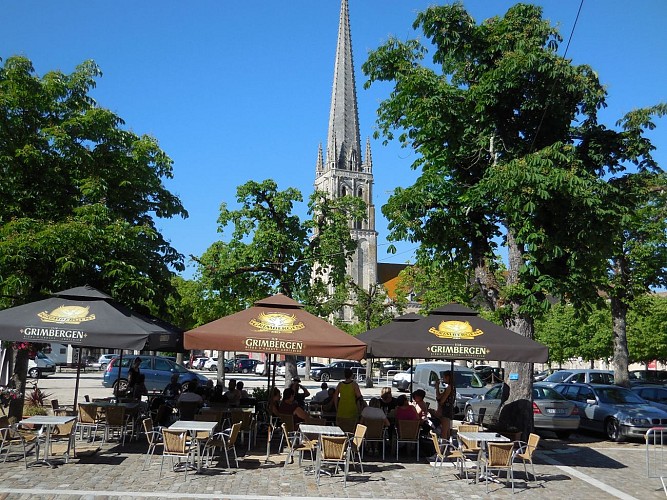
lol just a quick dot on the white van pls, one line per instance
(466, 381)
(40, 366)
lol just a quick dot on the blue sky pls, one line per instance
(240, 90)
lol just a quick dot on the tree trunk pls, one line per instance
(619, 311)
(18, 380)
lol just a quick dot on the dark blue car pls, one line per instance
(156, 369)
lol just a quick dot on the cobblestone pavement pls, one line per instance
(584, 467)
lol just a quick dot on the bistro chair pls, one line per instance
(333, 450)
(61, 410)
(177, 445)
(468, 446)
(116, 422)
(407, 431)
(288, 420)
(11, 438)
(357, 443)
(376, 432)
(89, 420)
(154, 438)
(444, 450)
(248, 424)
(297, 443)
(499, 456)
(525, 452)
(226, 441)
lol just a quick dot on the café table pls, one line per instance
(48, 422)
(193, 427)
(483, 438)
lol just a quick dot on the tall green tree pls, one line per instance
(511, 155)
(272, 250)
(80, 194)
(647, 329)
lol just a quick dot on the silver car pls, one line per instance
(616, 411)
(551, 411)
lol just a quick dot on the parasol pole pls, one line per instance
(78, 374)
(268, 375)
(412, 376)
(120, 363)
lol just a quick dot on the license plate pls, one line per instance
(555, 411)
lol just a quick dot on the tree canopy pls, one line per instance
(80, 192)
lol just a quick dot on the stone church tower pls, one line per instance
(343, 172)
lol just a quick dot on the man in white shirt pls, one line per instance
(322, 395)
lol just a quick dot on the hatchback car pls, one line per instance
(245, 365)
(616, 411)
(335, 370)
(156, 369)
(551, 410)
(104, 360)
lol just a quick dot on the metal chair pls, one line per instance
(226, 441)
(154, 438)
(297, 443)
(116, 421)
(407, 431)
(89, 419)
(525, 452)
(444, 450)
(499, 456)
(67, 433)
(177, 445)
(357, 442)
(376, 432)
(333, 450)
(248, 424)
(63, 410)
(10, 438)
(468, 446)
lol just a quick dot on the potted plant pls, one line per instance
(34, 402)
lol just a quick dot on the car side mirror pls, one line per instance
(591, 402)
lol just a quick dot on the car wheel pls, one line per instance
(103, 366)
(213, 368)
(612, 429)
(563, 434)
(470, 414)
(325, 377)
(33, 373)
(120, 386)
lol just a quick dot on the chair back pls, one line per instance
(468, 428)
(436, 444)
(63, 430)
(333, 447)
(283, 426)
(174, 441)
(88, 414)
(374, 428)
(500, 454)
(288, 420)
(533, 441)
(408, 429)
(359, 434)
(347, 424)
(234, 434)
(54, 404)
(148, 429)
(242, 417)
(115, 415)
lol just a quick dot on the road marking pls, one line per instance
(570, 471)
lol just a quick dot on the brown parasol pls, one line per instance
(278, 325)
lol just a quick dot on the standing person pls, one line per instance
(346, 396)
(133, 376)
(446, 401)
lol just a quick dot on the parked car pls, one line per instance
(582, 376)
(466, 381)
(648, 377)
(654, 394)
(89, 362)
(245, 365)
(541, 375)
(261, 367)
(334, 371)
(551, 410)
(402, 380)
(300, 368)
(156, 369)
(212, 365)
(384, 367)
(616, 411)
(41, 366)
(104, 360)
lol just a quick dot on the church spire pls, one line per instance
(343, 143)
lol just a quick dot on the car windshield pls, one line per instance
(465, 379)
(559, 376)
(617, 395)
(179, 368)
(540, 392)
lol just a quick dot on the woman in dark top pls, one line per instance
(446, 403)
(133, 376)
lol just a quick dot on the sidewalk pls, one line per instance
(564, 470)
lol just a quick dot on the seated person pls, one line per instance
(189, 401)
(274, 402)
(300, 392)
(374, 412)
(320, 396)
(387, 400)
(404, 410)
(173, 389)
(233, 394)
(419, 404)
(244, 393)
(289, 406)
(329, 405)
(206, 391)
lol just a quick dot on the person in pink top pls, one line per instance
(404, 410)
